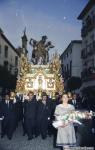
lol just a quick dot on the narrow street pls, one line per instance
(19, 142)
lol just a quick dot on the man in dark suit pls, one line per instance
(0, 108)
(30, 108)
(43, 116)
(25, 97)
(75, 101)
(19, 108)
(9, 113)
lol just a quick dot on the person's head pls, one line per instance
(74, 96)
(44, 96)
(12, 94)
(56, 95)
(65, 98)
(7, 97)
(44, 38)
(69, 95)
(30, 94)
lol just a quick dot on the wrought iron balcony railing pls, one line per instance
(88, 74)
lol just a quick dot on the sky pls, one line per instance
(55, 18)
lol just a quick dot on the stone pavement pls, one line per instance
(19, 142)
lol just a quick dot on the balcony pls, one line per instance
(93, 19)
(89, 26)
(93, 43)
(88, 74)
(84, 53)
(66, 75)
(88, 51)
(84, 31)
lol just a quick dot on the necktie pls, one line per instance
(75, 102)
(8, 104)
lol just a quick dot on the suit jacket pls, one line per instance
(8, 110)
(1, 109)
(30, 108)
(43, 110)
(76, 104)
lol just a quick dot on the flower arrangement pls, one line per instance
(1, 118)
(72, 117)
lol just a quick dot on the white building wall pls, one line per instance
(75, 57)
(11, 55)
(76, 60)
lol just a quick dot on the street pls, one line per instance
(19, 142)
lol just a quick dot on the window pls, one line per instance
(83, 23)
(16, 61)
(92, 14)
(6, 64)
(70, 68)
(10, 68)
(67, 54)
(67, 68)
(0, 49)
(6, 51)
(92, 63)
(64, 56)
(70, 50)
(64, 70)
(92, 37)
(86, 43)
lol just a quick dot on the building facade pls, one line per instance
(9, 59)
(87, 16)
(71, 61)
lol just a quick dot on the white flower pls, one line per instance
(72, 117)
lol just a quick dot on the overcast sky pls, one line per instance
(55, 18)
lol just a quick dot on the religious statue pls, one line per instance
(40, 53)
(42, 74)
(24, 42)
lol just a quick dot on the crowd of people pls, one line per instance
(36, 116)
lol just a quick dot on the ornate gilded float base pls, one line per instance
(40, 78)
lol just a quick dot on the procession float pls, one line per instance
(41, 74)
